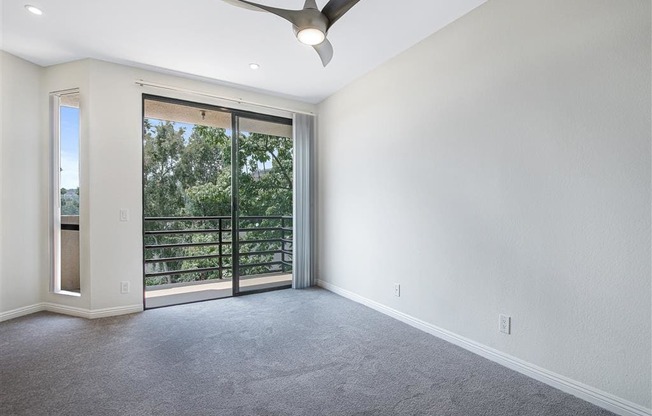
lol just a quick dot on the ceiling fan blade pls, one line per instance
(335, 9)
(292, 16)
(325, 51)
(238, 3)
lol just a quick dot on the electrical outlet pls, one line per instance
(124, 287)
(124, 215)
(397, 290)
(505, 324)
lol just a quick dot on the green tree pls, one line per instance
(69, 201)
(163, 191)
(189, 174)
(265, 175)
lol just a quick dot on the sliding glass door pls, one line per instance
(217, 219)
(264, 215)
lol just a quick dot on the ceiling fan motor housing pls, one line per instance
(311, 19)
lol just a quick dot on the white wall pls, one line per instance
(23, 169)
(111, 172)
(113, 105)
(58, 78)
(503, 166)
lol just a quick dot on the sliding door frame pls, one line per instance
(235, 198)
(235, 206)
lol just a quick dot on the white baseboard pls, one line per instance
(17, 313)
(590, 394)
(92, 313)
(70, 310)
(117, 311)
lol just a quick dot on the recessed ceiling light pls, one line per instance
(254, 66)
(33, 9)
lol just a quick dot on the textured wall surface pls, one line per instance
(503, 166)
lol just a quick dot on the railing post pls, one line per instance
(282, 245)
(219, 249)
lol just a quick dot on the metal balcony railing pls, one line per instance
(188, 249)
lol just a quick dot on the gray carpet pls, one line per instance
(280, 353)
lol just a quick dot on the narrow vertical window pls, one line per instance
(65, 192)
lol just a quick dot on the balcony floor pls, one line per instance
(194, 291)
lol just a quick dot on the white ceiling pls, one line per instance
(213, 39)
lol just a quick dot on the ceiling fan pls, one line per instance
(310, 25)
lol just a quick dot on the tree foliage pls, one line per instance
(69, 201)
(187, 173)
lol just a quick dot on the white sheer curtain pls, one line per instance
(303, 244)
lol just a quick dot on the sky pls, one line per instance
(69, 138)
(177, 124)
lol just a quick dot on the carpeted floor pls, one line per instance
(280, 353)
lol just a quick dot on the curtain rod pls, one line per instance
(143, 83)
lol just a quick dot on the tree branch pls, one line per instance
(283, 171)
(278, 162)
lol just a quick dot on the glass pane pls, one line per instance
(68, 113)
(265, 160)
(69, 160)
(187, 203)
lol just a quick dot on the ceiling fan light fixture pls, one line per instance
(311, 36)
(310, 25)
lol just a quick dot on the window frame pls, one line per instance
(55, 103)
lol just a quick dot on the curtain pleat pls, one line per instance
(303, 240)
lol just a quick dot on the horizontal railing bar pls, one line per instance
(175, 272)
(212, 243)
(255, 253)
(228, 218)
(262, 217)
(204, 231)
(213, 230)
(182, 258)
(186, 218)
(214, 256)
(286, 228)
(273, 263)
(270, 240)
(262, 229)
(285, 240)
(214, 269)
